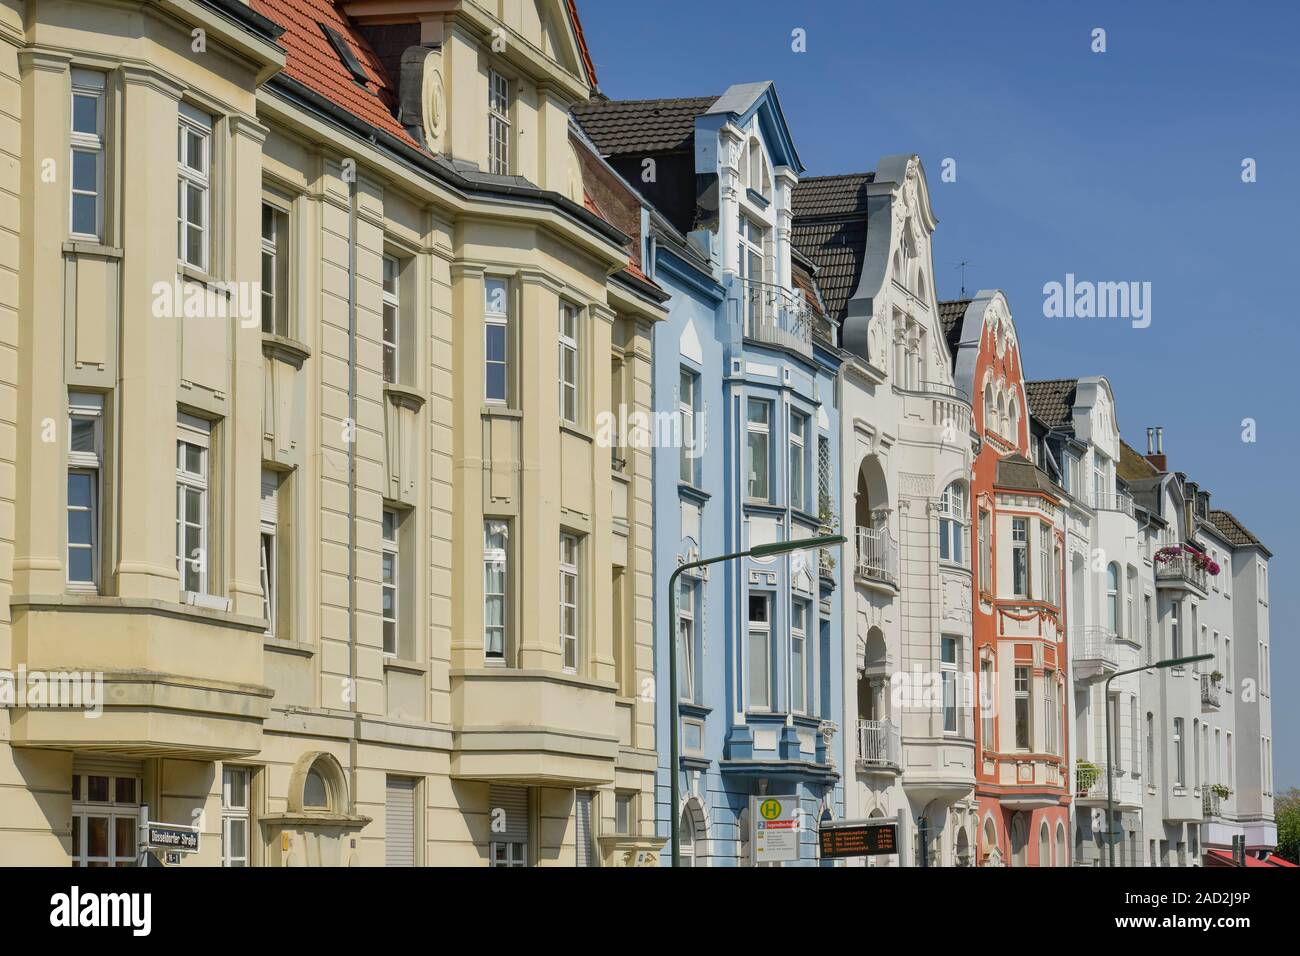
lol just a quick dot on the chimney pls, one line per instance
(1157, 457)
(1150, 441)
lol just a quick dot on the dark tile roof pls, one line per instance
(1018, 473)
(840, 195)
(830, 228)
(1236, 533)
(1052, 401)
(950, 316)
(1133, 466)
(623, 127)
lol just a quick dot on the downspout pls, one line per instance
(352, 487)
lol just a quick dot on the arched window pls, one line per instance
(990, 420)
(1112, 598)
(1019, 842)
(691, 834)
(1002, 415)
(920, 284)
(991, 840)
(952, 522)
(1013, 423)
(1061, 858)
(1044, 845)
(318, 785)
(315, 792)
(963, 848)
(898, 266)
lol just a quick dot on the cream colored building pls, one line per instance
(363, 584)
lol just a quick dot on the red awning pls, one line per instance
(1224, 858)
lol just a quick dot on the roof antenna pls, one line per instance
(962, 265)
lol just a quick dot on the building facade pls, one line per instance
(746, 360)
(313, 345)
(906, 435)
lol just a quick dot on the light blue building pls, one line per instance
(746, 360)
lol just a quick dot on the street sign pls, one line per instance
(776, 828)
(857, 838)
(171, 836)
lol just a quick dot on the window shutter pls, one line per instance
(270, 508)
(582, 815)
(514, 801)
(399, 816)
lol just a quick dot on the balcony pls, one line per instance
(533, 727)
(774, 315)
(1176, 566)
(1209, 692)
(1090, 782)
(877, 557)
(177, 681)
(1121, 503)
(1211, 804)
(1095, 652)
(880, 746)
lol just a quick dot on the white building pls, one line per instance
(906, 467)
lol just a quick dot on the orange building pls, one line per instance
(1019, 631)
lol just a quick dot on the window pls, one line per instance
(496, 343)
(568, 362)
(1045, 554)
(1180, 756)
(760, 417)
(1044, 845)
(235, 816)
(85, 466)
(315, 791)
(1019, 557)
(1135, 743)
(392, 306)
(1146, 623)
(986, 553)
(275, 270)
(1151, 746)
(760, 652)
(987, 703)
(1175, 639)
(687, 402)
(400, 803)
(498, 124)
(496, 567)
(508, 846)
(824, 502)
(948, 676)
(952, 520)
(268, 552)
(798, 462)
(193, 187)
(105, 819)
(799, 658)
(391, 576)
(193, 446)
(1112, 599)
(1023, 738)
(1050, 714)
(86, 180)
(624, 812)
(569, 592)
(1227, 662)
(686, 639)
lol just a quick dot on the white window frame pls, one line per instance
(1024, 681)
(496, 315)
(275, 269)
(114, 812)
(758, 431)
(948, 683)
(85, 406)
(986, 551)
(686, 615)
(496, 560)
(391, 580)
(759, 648)
(1045, 554)
(1020, 553)
(570, 370)
(92, 85)
(624, 812)
(268, 545)
(1050, 711)
(1180, 754)
(800, 658)
(688, 384)
(570, 602)
(498, 123)
(234, 813)
(1113, 610)
(391, 325)
(988, 729)
(198, 433)
(190, 177)
(798, 473)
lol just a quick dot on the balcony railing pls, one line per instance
(1090, 781)
(1094, 648)
(1179, 568)
(879, 743)
(1120, 503)
(1211, 803)
(1209, 691)
(877, 556)
(776, 316)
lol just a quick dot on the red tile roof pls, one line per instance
(313, 62)
(582, 44)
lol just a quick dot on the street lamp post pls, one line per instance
(1110, 766)
(674, 758)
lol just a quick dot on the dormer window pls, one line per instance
(757, 176)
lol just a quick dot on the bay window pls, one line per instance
(1024, 735)
(496, 342)
(496, 578)
(1019, 557)
(570, 591)
(568, 363)
(799, 658)
(798, 459)
(952, 522)
(760, 652)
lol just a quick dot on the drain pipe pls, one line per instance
(352, 484)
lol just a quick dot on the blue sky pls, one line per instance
(1115, 166)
